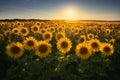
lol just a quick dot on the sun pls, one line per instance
(70, 13)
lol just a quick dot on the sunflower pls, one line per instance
(15, 31)
(90, 36)
(76, 31)
(30, 43)
(47, 36)
(1, 37)
(24, 31)
(94, 44)
(35, 29)
(64, 45)
(107, 49)
(83, 51)
(52, 29)
(82, 39)
(15, 50)
(107, 31)
(112, 41)
(43, 49)
(59, 35)
(60, 29)
(7, 33)
(42, 31)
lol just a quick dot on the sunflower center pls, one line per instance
(82, 40)
(83, 50)
(47, 36)
(60, 29)
(106, 49)
(15, 49)
(15, 31)
(43, 48)
(35, 29)
(60, 36)
(30, 43)
(90, 36)
(94, 45)
(43, 31)
(23, 31)
(64, 44)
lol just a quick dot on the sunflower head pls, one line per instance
(15, 31)
(47, 36)
(83, 51)
(94, 44)
(64, 45)
(15, 50)
(24, 31)
(35, 29)
(59, 35)
(30, 43)
(90, 36)
(107, 49)
(107, 31)
(82, 39)
(43, 48)
(1, 37)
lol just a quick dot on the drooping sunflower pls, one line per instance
(24, 31)
(15, 31)
(47, 36)
(83, 51)
(15, 50)
(42, 49)
(59, 35)
(35, 29)
(112, 41)
(95, 44)
(30, 43)
(107, 49)
(64, 45)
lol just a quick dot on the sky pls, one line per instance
(60, 9)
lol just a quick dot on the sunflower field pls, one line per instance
(59, 50)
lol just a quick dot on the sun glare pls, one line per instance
(70, 13)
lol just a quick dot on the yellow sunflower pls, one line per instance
(15, 50)
(24, 31)
(112, 41)
(35, 29)
(82, 39)
(107, 31)
(59, 35)
(1, 37)
(60, 29)
(107, 49)
(90, 36)
(52, 29)
(95, 44)
(7, 33)
(30, 43)
(83, 51)
(64, 45)
(42, 31)
(15, 31)
(47, 36)
(42, 49)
